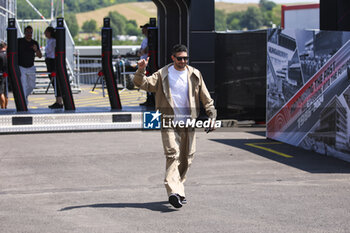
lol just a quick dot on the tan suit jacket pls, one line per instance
(159, 84)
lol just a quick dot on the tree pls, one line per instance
(131, 30)
(266, 8)
(24, 11)
(252, 18)
(276, 15)
(233, 20)
(266, 5)
(72, 23)
(89, 26)
(118, 22)
(122, 26)
(220, 20)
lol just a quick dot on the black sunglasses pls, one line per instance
(180, 58)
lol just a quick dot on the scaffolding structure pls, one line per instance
(8, 9)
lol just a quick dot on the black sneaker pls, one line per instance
(175, 200)
(147, 104)
(183, 200)
(144, 103)
(56, 105)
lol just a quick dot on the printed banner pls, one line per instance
(308, 90)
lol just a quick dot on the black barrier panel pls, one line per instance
(22, 120)
(162, 60)
(335, 15)
(172, 27)
(202, 15)
(62, 76)
(177, 19)
(121, 118)
(240, 82)
(207, 70)
(107, 66)
(13, 69)
(152, 49)
(202, 46)
(183, 6)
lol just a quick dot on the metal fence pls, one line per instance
(88, 69)
(39, 26)
(7, 10)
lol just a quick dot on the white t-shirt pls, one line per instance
(50, 48)
(144, 45)
(178, 84)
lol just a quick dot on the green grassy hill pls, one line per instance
(142, 11)
(138, 11)
(233, 7)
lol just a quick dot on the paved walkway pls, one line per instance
(112, 182)
(87, 98)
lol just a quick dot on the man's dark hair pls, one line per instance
(28, 27)
(178, 48)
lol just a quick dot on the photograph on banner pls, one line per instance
(308, 87)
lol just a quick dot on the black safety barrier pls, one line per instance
(107, 66)
(191, 23)
(152, 49)
(62, 76)
(240, 83)
(13, 69)
(335, 15)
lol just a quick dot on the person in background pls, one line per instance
(51, 64)
(3, 69)
(143, 53)
(27, 50)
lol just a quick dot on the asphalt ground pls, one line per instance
(113, 182)
(86, 98)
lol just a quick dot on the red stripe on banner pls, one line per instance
(284, 115)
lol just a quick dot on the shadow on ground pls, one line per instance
(163, 206)
(301, 159)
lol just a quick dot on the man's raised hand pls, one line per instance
(142, 63)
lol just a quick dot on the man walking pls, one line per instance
(27, 49)
(178, 89)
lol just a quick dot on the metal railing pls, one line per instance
(89, 68)
(7, 10)
(39, 26)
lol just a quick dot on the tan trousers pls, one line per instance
(179, 148)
